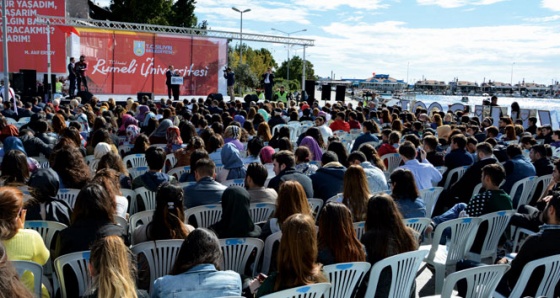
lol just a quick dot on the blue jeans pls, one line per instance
(450, 214)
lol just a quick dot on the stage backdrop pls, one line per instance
(121, 62)
(27, 40)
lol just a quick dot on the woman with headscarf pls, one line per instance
(313, 146)
(132, 131)
(236, 220)
(43, 186)
(233, 164)
(126, 121)
(174, 140)
(266, 154)
(232, 134)
(100, 150)
(159, 136)
(141, 115)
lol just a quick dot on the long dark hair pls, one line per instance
(200, 247)
(338, 148)
(94, 202)
(385, 221)
(337, 233)
(169, 216)
(71, 167)
(14, 167)
(404, 185)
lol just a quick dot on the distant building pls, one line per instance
(431, 86)
(383, 83)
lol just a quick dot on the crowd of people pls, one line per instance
(286, 153)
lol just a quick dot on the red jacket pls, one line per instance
(340, 125)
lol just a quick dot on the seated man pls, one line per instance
(376, 178)
(541, 245)
(367, 136)
(432, 155)
(458, 157)
(206, 190)
(254, 183)
(424, 173)
(517, 167)
(329, 178)
(284, 167)
(339, 123)
(543, 166)
(153, 178)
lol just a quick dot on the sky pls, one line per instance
(472, 40)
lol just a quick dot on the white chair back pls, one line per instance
(419, 224)
(261, 211)
(551, 278)
(160, 255)
(236, 182)
(79, 263)
(430, 197)
(497, 224)
(403, 270)
(393, 161)
(179, 171)
(137, 172)
(268, 249)
(454, 175)
(172, 161)
(124, 149)
(135, 160)
(47, 230)
(315, 205)
(35, 269)
(205, 215)
(148, 197)
(359, 227)
(344, 277)
(309, 291)
(526, 185)
(236, 253)
(481, 281)
(476, 189)
(140, 218)
(336, 198)
(68, 195)
(542, 180)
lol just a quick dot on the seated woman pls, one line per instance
(21, 244)
(158, 136)
(115, 162)
(337, 240)
(296, 258)
(356, 192)
(314, 148)
(386, 235)
(303, 159)
(71, 167)
(43, 187)
(15, 171)
(196, 271)
(405, 193)
(233, 164)
(109, 179)
(232, 134)
(236, 220)
(113, 270)
(169, 217)
(174, 140)
(9, 278)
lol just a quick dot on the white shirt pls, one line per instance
(424, 173)
(326, 132)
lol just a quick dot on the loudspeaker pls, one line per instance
(16, 80)
(85, 96)
(340, 93)
(216, 96)
(139, 96)
(29, 82)
(310, 91)
(326, 92)
(53, 82)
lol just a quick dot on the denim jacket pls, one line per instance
(201, 281)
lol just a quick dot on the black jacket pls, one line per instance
(289, 175)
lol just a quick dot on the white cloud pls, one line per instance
(551, 4)
(458, 3)
(543, 19)
(334, 4)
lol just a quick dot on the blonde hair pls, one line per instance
(113, 268)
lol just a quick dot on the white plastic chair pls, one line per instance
(235, 182)
(344, 277)
(430, 197)
(160, 255)
(442, 257)
(135, 160)
(43, 161)
(148, 197)
(261, 211)
(140, 218)
(403, 272)
(441, 169)
(137, 172)
(542, 180)
(236, 253)
(359, 227)
(129, 194)
(33, 268)
(551, 266)
(456, 172)
(309, 291)
(518, 232)
(79, 262)
(121, 221)
(393, 161)
(68, 195)
(124, 149)
(481, 281)
(89, 159)
(476, 189)
(47, 230)
(205, 215)
(11, 120)
(179, 171)
(315, 205)
(419, 224)
(497, 224)
(268, 248)
(336, 198)
(527, 188)
(24, 120)
(219, 167)
(172, 160)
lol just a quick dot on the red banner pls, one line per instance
(27, 40)
(122, 62)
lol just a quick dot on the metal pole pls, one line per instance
(241, 40)
(288, 71)
(6, 94)
(303, 72)
(49, 81)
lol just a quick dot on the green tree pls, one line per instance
(179, 13)
(182, 14)
(296, 71)
(255, 63)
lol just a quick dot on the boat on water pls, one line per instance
(465, 99)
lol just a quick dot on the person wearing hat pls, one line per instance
(230, 77)
(281, 95)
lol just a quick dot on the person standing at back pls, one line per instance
(72, 76)
(80, 69)
(230, 77)
(268, 82)
(168, 75)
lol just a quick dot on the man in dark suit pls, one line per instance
(72, 77)
(457, 157)
(268, 83)
(168, 75)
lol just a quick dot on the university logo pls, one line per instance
(139, 47)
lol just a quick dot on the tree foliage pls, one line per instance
(156, 12)
(296, 71)
(255, 63)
